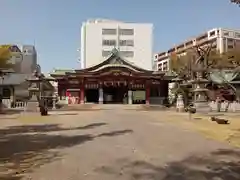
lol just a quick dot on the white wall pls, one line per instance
(91, 43)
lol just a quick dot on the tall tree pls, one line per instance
(229, 59)
(180, 64)
(5, 55)
(236, 2)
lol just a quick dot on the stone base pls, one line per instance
(202, 106)
(180, 109)
(32, 107)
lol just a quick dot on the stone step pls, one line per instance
(77, 107)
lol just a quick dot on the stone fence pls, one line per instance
(17, 105)
(224, 106)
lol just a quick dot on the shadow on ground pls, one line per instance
(11, 111)
(115, 133)
(4, 114)
(219, 165)
(11, 177)
(21, 152)
(44, 128)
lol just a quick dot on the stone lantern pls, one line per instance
(36, 92)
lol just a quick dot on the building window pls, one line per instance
(237, 35)
(126, 43)
(165, 66)
(108, 42)
(127, 53)
(230, 46)
(212, 33)
(160, 67)
(226, 34)
(126, 32)
(109, 31)
(106, 53)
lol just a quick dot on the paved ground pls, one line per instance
(110, 144)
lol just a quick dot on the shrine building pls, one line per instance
(115, 80)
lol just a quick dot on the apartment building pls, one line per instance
(24, 58)
(221, 39)
(133, 41)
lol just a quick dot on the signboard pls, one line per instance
(114, 83)
(91, 86)
(138, 86)
(139, 95)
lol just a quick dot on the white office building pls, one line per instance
(99, 37)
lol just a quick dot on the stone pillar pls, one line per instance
(180, 103)
(12, 97)
(130, 94)
(147, 94)
(100, 95)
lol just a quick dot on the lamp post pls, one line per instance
(54, 101)
(36, 93)
(200, 79)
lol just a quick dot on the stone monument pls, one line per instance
(180, 103)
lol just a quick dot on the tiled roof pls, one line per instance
(223, 76)
(61, 71)
(14, 79)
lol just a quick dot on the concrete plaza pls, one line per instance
(111, 144)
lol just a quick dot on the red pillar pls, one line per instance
(82, 94)
(147, 94)
(68, 94)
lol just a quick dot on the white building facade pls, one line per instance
(134, 42)
(222, 39)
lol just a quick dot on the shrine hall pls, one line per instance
(113, 81)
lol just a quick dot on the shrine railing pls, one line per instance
(16, 105)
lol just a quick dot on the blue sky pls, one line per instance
(54, 25)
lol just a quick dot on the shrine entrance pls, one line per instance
(92, 95)
(115, 94)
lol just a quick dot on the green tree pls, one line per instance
(5, 55)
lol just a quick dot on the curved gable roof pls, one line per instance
(114, 60)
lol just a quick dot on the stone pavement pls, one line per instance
(111, 144)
